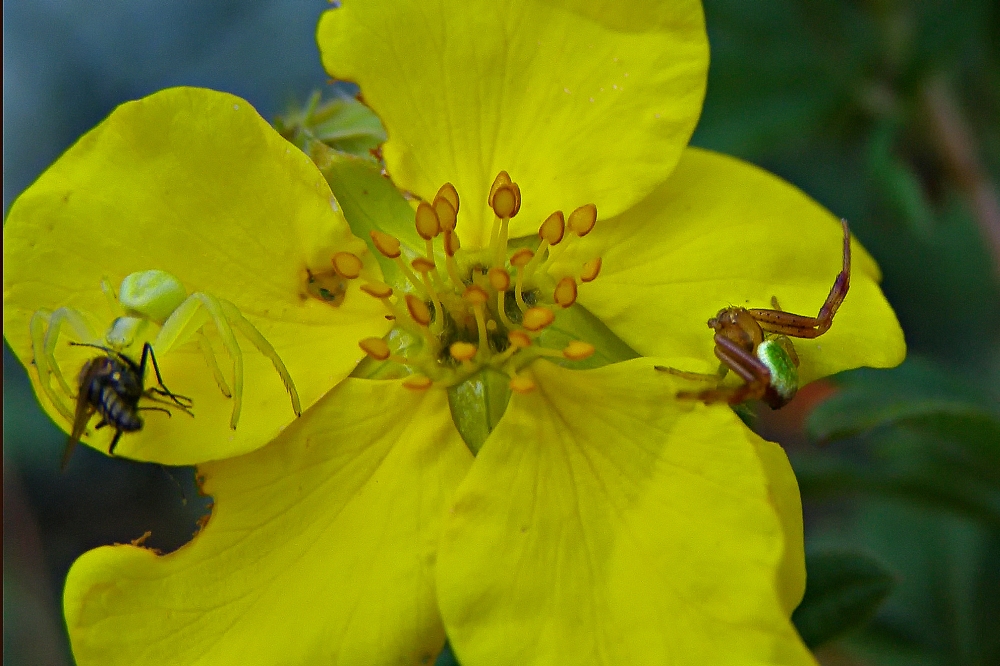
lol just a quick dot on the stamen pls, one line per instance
(583, 219)
(522, 384)
(425, 267)
(445, 213)
(551, 232)
(499, 279)
(519, 260)
(418, 310)
(477, 297)
(591, 270)
(377, 289)
(535, 319)
(503, 178)
(347, 265)
(552, 229)
(417, 383)
(388, 245)
(451, 248)
(449, 194)
(519, 339)
(578, 350)
(565, 293)
(376, 348)
(463, 351)
(427, 222)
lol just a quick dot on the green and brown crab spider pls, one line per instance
(155, 298)
(754, 343)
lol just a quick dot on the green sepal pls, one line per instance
(370, 202)
(477, 405)
(342, 123)
(843, 591)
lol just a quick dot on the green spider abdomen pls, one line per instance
(784, 372)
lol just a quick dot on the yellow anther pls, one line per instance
(517, 199)
(502, 179)
(591, 270)
(535, 319)
(475, 295)
(578, 350)
(427, 223)
(446, 213)
(505, 201)
(418, 310)
(521, 257)
(522, 384)
(347, 265)
(376, 348)
(386, 244)
(463, 351)
(417, 383)
(499, 279)
(565, 293)
(377, 289)
(451, 243)
(422, 265)
(553, 228)
(519, 339)
(449, 194)
(583, 219)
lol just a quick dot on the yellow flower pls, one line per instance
(602, 521)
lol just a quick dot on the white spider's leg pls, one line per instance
(39, 322)
(109, 293)
(206, 351)
(45, 327)
(260, 342)
(197, 304)
(83, 331)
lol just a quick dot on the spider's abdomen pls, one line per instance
(784, 373)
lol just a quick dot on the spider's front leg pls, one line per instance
(184, 318)
(750, 369)
(800, 326)
(44, 328)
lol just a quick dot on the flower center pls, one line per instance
(483, 308)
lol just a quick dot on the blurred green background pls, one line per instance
(887, 112)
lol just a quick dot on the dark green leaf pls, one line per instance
(843, 591)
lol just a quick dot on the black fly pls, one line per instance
(112, 385)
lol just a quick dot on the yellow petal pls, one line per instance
(783, 490)
(605, 523)
(722, 232)
(580, 102)
(196, 183)
(320, 548)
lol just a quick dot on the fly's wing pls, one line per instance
(84, 410)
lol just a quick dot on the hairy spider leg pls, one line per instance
(200, 303)
(716, 376)
(799, 326)
(213, 365)
(44, 328)
(265, 348)
(750, 369)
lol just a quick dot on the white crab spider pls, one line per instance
(157, 298)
